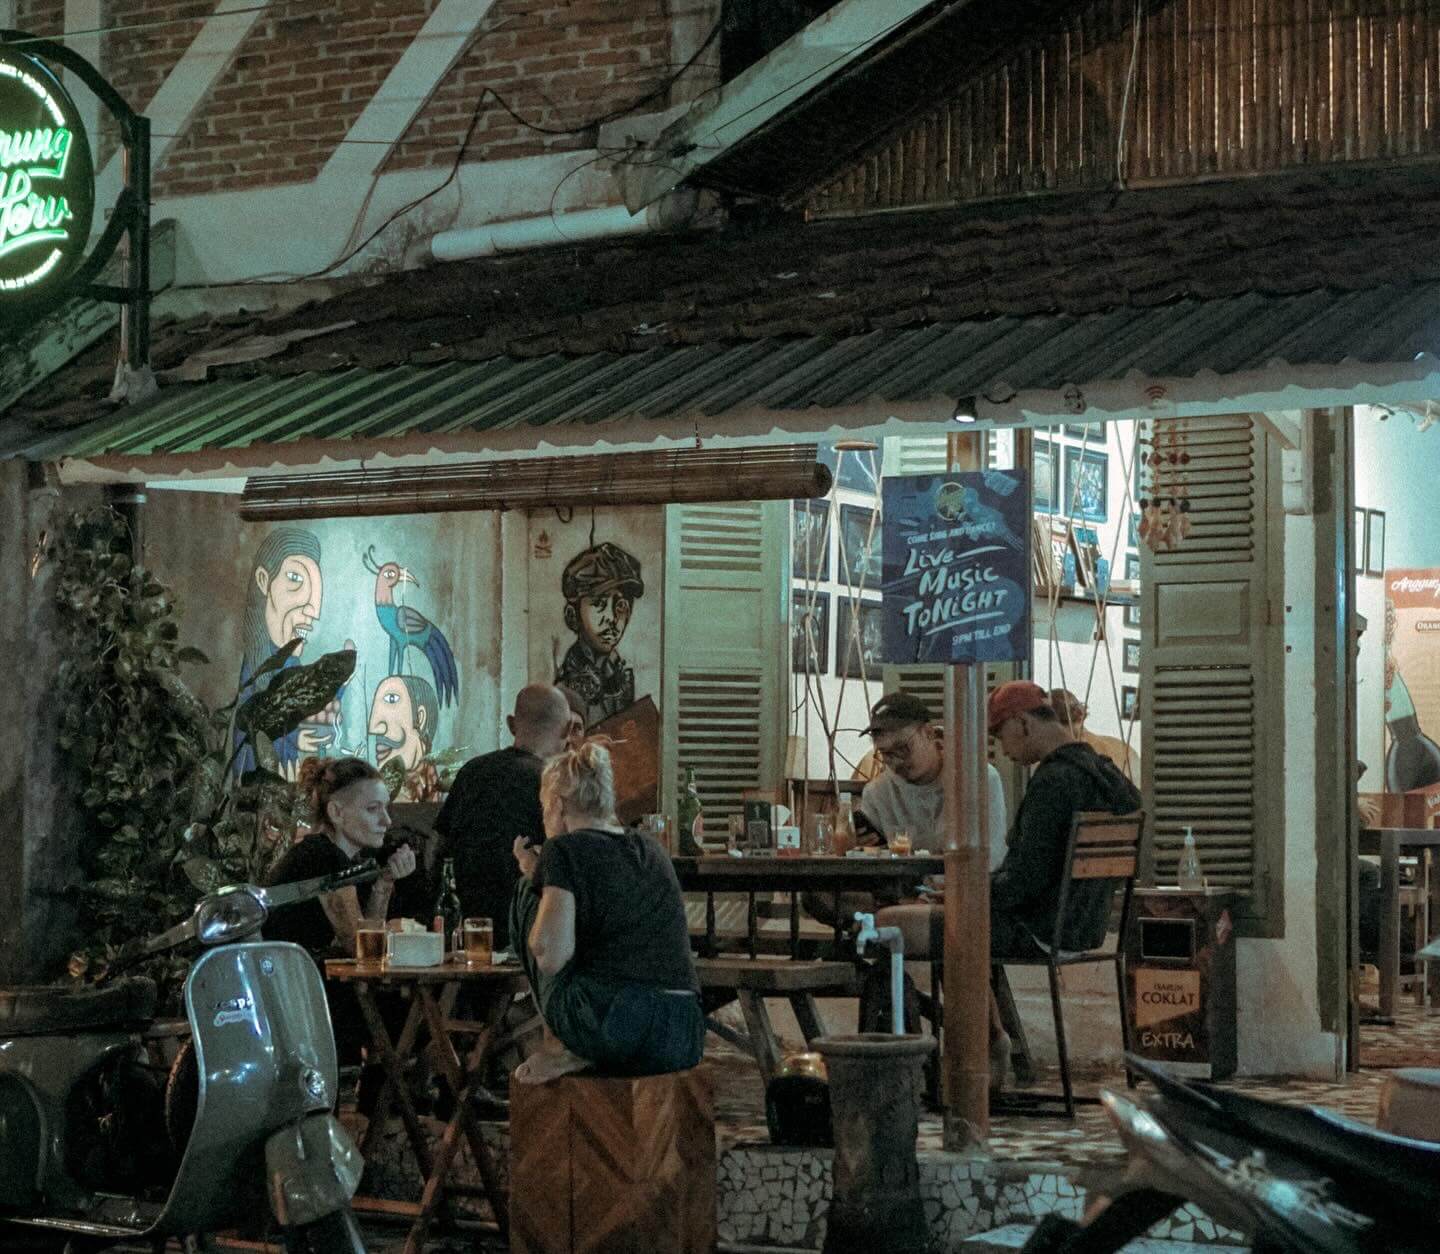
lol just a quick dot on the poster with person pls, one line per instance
(1412, 681)
(956, 567)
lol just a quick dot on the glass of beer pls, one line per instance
(370, 944)
(900, 844)
(479, 942)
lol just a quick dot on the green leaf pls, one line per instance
(295, 695)
(204, 873)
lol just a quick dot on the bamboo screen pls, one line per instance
(1219, 87)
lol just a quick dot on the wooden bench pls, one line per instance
(610, 1165)
(751, 980)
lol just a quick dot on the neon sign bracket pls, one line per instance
(130, 217)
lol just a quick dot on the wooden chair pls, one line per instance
(1102, 846)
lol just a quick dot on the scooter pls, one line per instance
(100, 1144)
(1295, 1180)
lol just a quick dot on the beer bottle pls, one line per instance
(691, 818)
(448, 913)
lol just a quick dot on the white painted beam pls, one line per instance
(804, 62)
(422, 67)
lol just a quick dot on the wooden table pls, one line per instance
(434, 991)
(752, 873)
(1389, 843)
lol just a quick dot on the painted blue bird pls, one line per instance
(408, 627)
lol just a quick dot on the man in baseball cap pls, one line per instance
(1068, 777)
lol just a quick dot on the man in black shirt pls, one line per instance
(495, 798)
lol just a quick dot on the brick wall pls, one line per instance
(40, 17)
(307, 69)
(558, 64)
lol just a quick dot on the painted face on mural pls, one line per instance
(603, 620)
(396, 724)
(292, 599)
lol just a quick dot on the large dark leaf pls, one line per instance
(294, 695)
(272, 663)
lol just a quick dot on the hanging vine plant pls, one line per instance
(165, 818)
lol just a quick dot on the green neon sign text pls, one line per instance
(27, 217)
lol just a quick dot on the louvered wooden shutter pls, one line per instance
(724, 572)
(1211, 683)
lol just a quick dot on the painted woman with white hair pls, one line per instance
(599, 924)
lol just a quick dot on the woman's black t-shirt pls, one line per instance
(629, 914)
(305, 923)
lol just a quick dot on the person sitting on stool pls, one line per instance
(598, 921)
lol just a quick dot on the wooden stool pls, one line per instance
(610, 1165)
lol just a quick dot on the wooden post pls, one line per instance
(15, 576)
(966, 1065)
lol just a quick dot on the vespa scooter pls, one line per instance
(1295, 1180)
(98, 1144)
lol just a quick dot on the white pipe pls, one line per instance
(894, 940)
(552, 230)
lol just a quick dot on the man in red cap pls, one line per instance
(1069, 776)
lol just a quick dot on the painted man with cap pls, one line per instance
(1068, 776)
(600, 585)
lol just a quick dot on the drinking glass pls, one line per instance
(369, 944)
(822, 835)
(735, 833)
(900, 844)
(479, 942)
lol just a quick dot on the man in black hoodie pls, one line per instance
(1069, 777)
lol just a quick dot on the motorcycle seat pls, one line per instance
(40, 1010)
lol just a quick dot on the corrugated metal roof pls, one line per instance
(941, 362)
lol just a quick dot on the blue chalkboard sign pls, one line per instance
(956, 567)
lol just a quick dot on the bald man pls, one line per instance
(495, 798)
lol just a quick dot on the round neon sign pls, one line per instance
(47, 181)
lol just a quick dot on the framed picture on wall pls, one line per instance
(1046, 476)
(1087, 487)
(1375, 542)
(1360, 550)
(1094, 432)
(866, 647)
(810, 540)
(1134, 532)
(1132, 566)
(809, 630)
(1131, 617)
(1129, 703)
(1130, 660)
(859, 556)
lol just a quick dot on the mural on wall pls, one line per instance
(283, 600)
(404, 717)
(408, 628)
(599, 586)
(595, 628)
(1412, 679)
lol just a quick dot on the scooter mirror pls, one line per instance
(228, 915)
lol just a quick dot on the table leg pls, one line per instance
(709, 925)
(795, 924)
(807, 1015)
(462, 1079)
(1389, 922)
(391, 1059)
(752, 926)
(762, 1034)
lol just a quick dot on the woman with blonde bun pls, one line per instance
(599, 922)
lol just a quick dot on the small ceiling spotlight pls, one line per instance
(964, 410)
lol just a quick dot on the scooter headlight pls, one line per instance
(228, 916)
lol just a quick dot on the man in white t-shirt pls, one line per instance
(909, 794)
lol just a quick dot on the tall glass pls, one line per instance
(479, 937)
(369, 945)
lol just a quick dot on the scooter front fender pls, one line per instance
(312, 1169)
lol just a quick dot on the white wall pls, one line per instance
(1277, 993)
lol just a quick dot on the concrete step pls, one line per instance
(1014, 1236)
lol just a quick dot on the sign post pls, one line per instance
(956, 583)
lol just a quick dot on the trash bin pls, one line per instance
(1180, 967)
